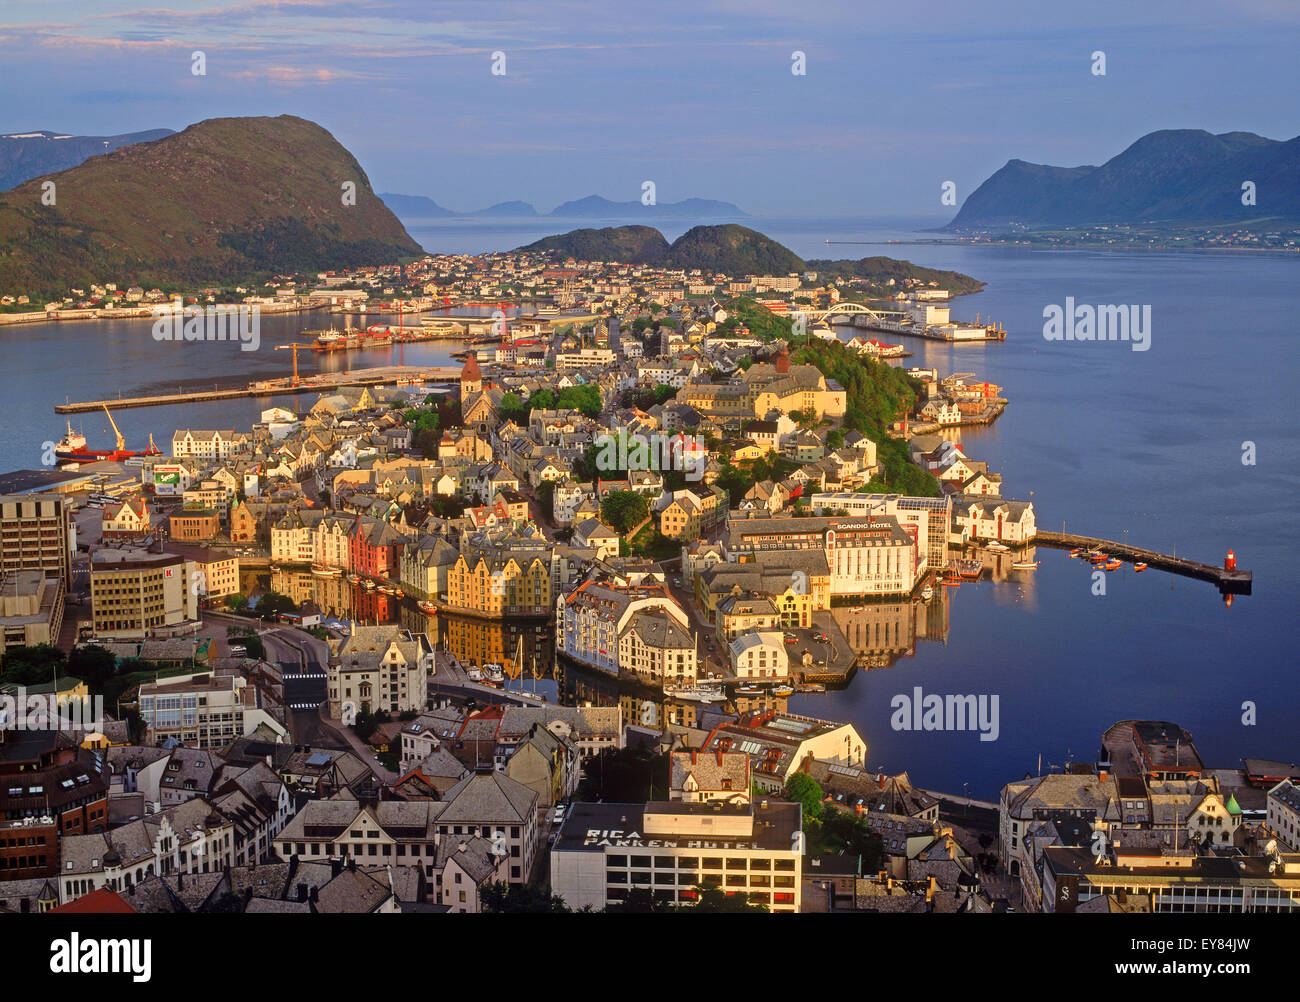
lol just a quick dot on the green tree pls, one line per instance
(93, 664)
(715, 900)
(805, 790)
(623, 510)
(499, 898)
(272, 604)
(33, 665)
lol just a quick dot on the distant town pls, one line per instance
(521, 636)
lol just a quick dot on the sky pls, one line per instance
(695, 95)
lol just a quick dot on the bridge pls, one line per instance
(852, 310)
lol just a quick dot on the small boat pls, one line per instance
(427, 606)
(749, 690)
(399, 593)
(474, 675)
(275, 567)
(696, 693)
(783, 690)
(1097, 557)
(385, 590)
(952, 582)
(1140, 566)
(812, 687)
(927, 593)
(1025, 565)
(1112, 564)
(327, 572)
(354, 578)
(1075, 552)
(997, 547)
(368, 585)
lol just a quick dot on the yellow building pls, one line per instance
(496, 584)
(135, 593)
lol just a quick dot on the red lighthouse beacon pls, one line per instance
(1230, 561)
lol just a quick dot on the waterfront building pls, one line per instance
(781, 744)
(379, 668)
(1167, 880)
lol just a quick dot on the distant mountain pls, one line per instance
(736, 250)
(627, 244)
(1179, 176)
(228, 198)
(511, 210)
(879, 270)
(596, 207)
(415, 206)
(25, 155)
(728, 248)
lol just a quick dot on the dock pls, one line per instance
(1229, 581)
(324, 382)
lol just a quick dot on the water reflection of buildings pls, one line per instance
(517, 644)
(644, 705)
(883, 632)
(512, 643)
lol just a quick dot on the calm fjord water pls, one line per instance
(1108, 440)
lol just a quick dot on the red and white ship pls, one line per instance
(73, 447)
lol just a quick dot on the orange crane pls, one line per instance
(295, 348)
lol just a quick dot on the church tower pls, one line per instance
(471, 378)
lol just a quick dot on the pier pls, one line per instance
(1228, 580)
(324, 382)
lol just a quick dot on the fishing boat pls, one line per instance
(426, 606)
(386, 590)
(783, 690)
(1075, 552)
(1112, 564)
(327, 572)
(1097, 557)
(1140, 566)
(749, 690)
(1025, 565)
(368, 585)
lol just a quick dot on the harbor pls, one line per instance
(324, 382)
(1228, 578)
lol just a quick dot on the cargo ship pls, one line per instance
(73, 447)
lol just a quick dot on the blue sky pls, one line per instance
(697, 96)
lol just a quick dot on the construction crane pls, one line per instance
(121, 442)
(295, 348)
